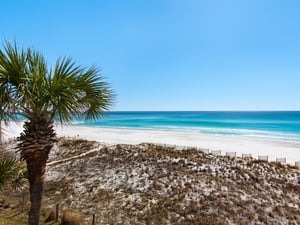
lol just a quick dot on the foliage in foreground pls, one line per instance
(9, 168)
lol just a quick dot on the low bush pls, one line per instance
(71, 218)
(9, 167)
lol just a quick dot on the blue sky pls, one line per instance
(172, 54)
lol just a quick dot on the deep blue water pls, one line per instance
(271, 124)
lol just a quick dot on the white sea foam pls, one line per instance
(232, 132)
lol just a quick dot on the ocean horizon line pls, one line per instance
(296, 110)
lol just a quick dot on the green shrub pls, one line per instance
(9, 167)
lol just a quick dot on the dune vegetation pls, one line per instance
(156, 184)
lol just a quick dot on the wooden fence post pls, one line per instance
(23, 199)
(56, 213)
(93, 222)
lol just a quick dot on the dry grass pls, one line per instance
(151, 184)
(71, 218)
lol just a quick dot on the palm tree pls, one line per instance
(44, 96)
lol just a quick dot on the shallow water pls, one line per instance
(269, 124)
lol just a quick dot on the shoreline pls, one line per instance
(198, 131)
(273, 148)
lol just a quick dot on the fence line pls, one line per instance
(216, 152)
(263, 157)
(231, 154)
(281, 160)
(246, 156)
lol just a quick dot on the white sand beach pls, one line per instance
(273, 148)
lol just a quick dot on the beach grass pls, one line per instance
(158, 184)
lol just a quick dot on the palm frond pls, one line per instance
(78, 92)
(97, 96)
(12, 75)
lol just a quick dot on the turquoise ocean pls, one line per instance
(264, 124)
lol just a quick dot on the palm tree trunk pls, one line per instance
(36, 142)
(36, 171)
